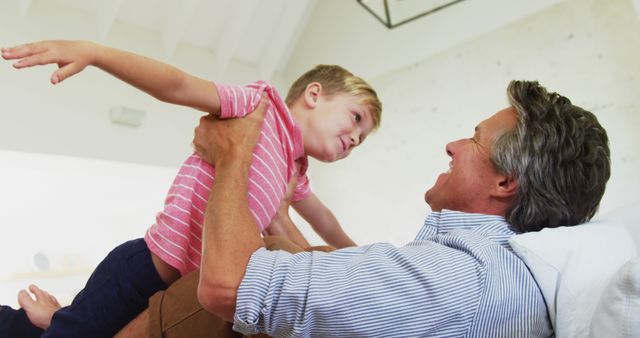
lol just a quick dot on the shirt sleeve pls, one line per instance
(238, 101)
(377, 290)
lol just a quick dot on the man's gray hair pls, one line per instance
(559, 155)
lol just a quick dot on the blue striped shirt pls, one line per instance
(458, 278)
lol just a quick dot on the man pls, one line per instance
(542, 162)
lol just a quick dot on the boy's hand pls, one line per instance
(218, 140)
(70, 56)
(288, 195)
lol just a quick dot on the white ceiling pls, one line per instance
(289, 36)
(342, 32)
(258, 33)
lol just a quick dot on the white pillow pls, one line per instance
(618, 313)
(572, 266)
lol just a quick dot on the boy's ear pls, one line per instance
(312, 94)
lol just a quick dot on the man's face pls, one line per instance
(468, 184)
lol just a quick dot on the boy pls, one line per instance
(327, 112)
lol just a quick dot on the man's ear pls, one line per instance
(506, 187)
(312, 94)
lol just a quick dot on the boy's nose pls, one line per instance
(355, 139)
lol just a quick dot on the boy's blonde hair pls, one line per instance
(336, 80)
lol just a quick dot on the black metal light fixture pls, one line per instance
(393, 13)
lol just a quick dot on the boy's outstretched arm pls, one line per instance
(160, 80)
(322, 221)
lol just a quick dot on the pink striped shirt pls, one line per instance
(176, 237)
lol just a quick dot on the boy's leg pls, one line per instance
(176, 312)
(117, 291)
(15, 323)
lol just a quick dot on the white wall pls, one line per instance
(585, 49)
(343, 32)
(68, 213)
(588, 50)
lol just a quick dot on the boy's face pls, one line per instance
(338, 124)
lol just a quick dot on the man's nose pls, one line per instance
(450, 148)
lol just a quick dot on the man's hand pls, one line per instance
(70, 56)
(218, 140)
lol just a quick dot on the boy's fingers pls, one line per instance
(35, 60)
(6, 53)
(65, 72)
(26, 62)
(22, 51)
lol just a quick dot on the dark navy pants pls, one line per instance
(16, 324)
(116, 292)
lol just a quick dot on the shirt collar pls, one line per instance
(445, 221)
(298, 144)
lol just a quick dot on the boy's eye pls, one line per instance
(357, 117)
